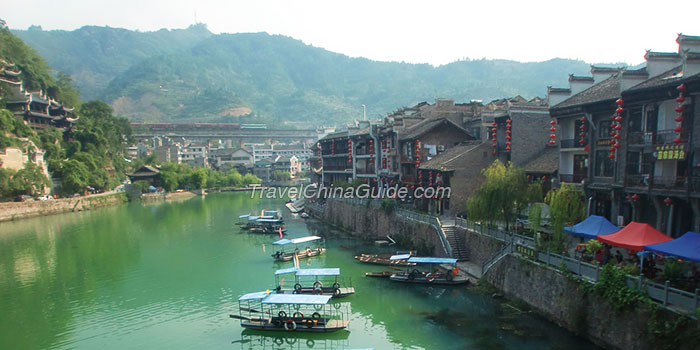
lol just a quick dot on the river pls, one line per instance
(167, 275)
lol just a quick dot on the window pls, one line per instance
(604, 129)
(603, 164)
(634, 162)
(651, 116)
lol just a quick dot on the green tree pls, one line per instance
(199, 178)
(566, 206)
(504, 193)
(74, 176)
(250, 179)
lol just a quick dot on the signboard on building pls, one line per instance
(603, 142)
(670, 152)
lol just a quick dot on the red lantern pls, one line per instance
(582, 134)
(507, 148)
(507, 137)
(680, 99)
(617, 145)
(552, 122)
(619, 110)
(677, 140)
(618, 119)
(507, 143)
(581, 141)
(620, 102)
(507, 131)
(635, 197)
(617, 136)
(681, 88)
(679, 119)
(612, 117)
(552, 129)
(611, 156)
(678, 109)
(552, 142)
(586, 148)
(493, 124)
(544, 178)
(668, 201)
(583, 119)
(552, 136)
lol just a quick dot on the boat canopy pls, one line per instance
(400, 257)
(426, 260)
(268, 220)
(334, 271)
(244, 216)
(253, 296)
(305, 299)
(297, 240)
(287, 270)
(253, 218)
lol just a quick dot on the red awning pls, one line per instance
(635, 236)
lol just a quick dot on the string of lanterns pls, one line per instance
(493, 138)
(349, 151)
(417, 153)
(616, 126)
(318, 147)
(508, 132)
(679, 118)
(582, 134)
(371, 147)
(552, 132)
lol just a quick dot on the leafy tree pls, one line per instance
(566, 206)
(250, 179)
(198, 178)
(504, 193)
(74, 176)
(281, 175)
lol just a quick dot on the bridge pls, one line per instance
(202, 132)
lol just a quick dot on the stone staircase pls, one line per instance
(456, 242)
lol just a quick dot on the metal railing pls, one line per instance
(674, 299)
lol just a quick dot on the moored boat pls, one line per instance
(430, 271)
(290, 312)
(320, 281)
(385, 259)
(290, 247)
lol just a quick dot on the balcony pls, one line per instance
(658, 137)
(682, 183)
(572, 178)
(368, 171)
(570, 143)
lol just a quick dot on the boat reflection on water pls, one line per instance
(260, 340)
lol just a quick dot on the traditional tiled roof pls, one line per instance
(446, 161)
(580, 78)
(546, 161)
(605, 90)
(671, 76)
(427, 125)
(335, 135)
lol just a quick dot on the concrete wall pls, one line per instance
(370, 222)
(19, 210)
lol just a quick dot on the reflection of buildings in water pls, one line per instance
(254, 340)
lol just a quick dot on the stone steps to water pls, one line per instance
(456, 242)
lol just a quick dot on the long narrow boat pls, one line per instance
(290, 312)
(321, 281)
(385, 259)
(435, 273)
(290, 247)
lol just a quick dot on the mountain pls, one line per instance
(194, 75)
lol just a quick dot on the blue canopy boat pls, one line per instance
(286, 312)
(290, 247)
(311, 281)
(431, 271)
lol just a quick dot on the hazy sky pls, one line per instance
(435, 32)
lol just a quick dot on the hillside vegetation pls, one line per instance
(194, 75)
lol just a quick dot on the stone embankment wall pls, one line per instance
(20, 210)
(479, 248)
(371, 222)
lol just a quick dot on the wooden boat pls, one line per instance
(381, 274)
(295, 206)
(289, 312)
(322, 281)
(267, 226)
(287, 254)
(433, 274)
(385, 259)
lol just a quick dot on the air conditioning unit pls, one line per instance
(441, 148)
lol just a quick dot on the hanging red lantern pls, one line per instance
(493, 124)
(581, 141)
(552, 136)
(507, 148)
(552, 122)
(619, 102)
(619, 110)
(552, 129)
(680, 99)
(635, 197)
(618, 119)
(677, 140)
(617, 145)
(544, 178)
(678, 109)
(677, 129)
(679, 119)
(612, 117)
(587, 149)
(507, 137)
(668, 201)
(552, 142)
(681, 88)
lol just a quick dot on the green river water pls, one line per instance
(167, 275)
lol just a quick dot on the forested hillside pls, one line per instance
(193, 75)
